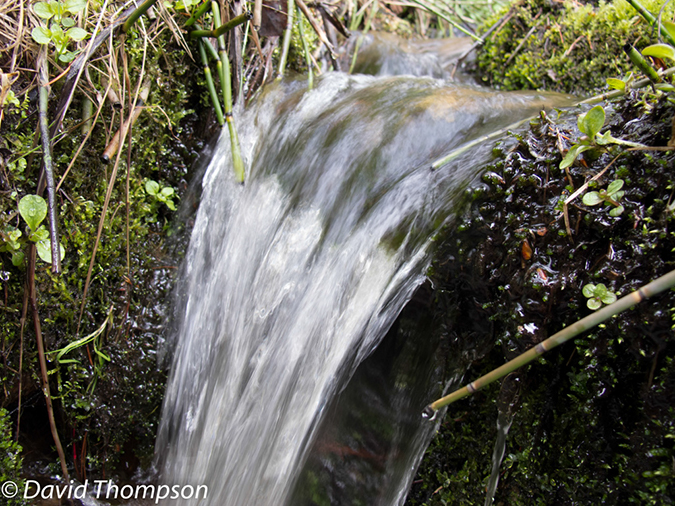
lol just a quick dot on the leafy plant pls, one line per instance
(597, 295)
(62, 28)
(162, 194)
(611, 196)
(590, 125)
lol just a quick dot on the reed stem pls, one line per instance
(655, 287)
(201, 10)
(210, 85)
(651, 19)
(305, 46)
(287, 38)
(140, 10)
(226, 86)
(224, 28)
(641, 62)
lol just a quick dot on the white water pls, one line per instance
(292, 279)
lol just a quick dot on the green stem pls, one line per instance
(287, 38)
(651, 19)
(641, 62)
(201, 10)
(137, 14)
(210, 85)
(434, 10)
(224, 28)
(657, 286)
(226, 86)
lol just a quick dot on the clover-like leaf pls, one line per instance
(660, 51)
(41, 35)
(591, 199)
(594, 303)
(74, 6)
(151, 187)
(43, 9)
(39, 235)
(588, 290)
(33, 210)
(591, 122)
(608, 298)
(76, 33)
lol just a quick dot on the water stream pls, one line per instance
(292, 281)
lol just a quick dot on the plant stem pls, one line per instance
(41, 357)
(657, 286)
(43, 83)
(224, 28)
(209, 84)
(287, 38)
(140, 10)
(305, 46)
(198, 13)
(641, 62)
(226, 85)
(651, 19)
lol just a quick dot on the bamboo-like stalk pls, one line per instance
(43, 84)
(257, 14)
(224, 28)
(201, 10)
(226, 85)
(209, 83)
(641, 62)
(305, 46)
(651, 19)
(655, 287)
(287, 38)
(140, 10)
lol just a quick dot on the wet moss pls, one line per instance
(594, 423)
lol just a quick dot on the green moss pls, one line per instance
(569, 48)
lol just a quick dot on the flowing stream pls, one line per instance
(292, 281)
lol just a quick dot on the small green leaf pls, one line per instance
(167, 191)
(591, 122)
(669, 26)
(76, 33)
(592, 199)
(68, 22)
(18, 258)
(33, 209)
(67, 57)
(615, 186)
(660, 51)
(572, 154)
(588, 290)
(608, 298)
(600, 290)
(41, 35)
(74, 6)
(594, 303)
(616, 211)
(617, 84)
(169, 203)
(44, 250)
(43, 9)
(39, 235)
(151, 187)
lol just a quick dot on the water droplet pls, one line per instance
(429, 413)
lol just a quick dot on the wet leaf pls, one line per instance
(660, 51)
(591, 199)
(591, 122)
(151, 187)
(33, 210)
(594, 303)
(608, 298)
(44, 250)
(588, 290)
(617, 84)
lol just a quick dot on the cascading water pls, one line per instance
(293, 279)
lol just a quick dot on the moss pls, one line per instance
(594, 421)
(567, 47)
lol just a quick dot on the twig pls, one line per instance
(655, 287)
(43, 79)
(32, 251)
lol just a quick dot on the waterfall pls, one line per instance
(292, 279)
